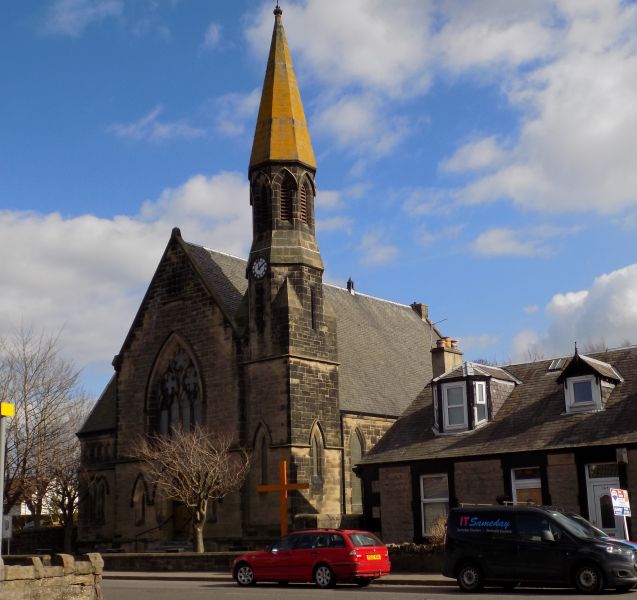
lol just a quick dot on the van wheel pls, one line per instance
(589, 579)
(470, 578)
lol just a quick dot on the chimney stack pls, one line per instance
(422, 310)
(445, 356)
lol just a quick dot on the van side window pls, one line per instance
(531, 525)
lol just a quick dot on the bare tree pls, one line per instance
(42, 386)
(62, 495)
(194, 468)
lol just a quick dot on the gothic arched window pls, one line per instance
(98, 504)
(287, 191)
(139, 501)
(355, 455)
(264, 460)
(179, 394)
(316, 456)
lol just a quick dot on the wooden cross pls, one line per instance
(283, 487)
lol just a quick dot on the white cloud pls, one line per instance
(605, 313)
(361, 123)
(529, 241)
(427, 201)
(354, 42)
(236, 114)
(477, 342)
(531, 309)
(150, 128)
(212, 36)
(501, 241)
(334, 224)
(451, 232)
(86, 275)
(375, 252)
(575, 148)
(474, 155)
(72, 17)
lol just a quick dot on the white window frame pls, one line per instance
(524, 484)
(476, 386)
(445, 407)
(435, 401)
(424, 501)
(571, 405)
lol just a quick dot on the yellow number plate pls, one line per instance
(373, 557)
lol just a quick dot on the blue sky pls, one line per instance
(478, 157)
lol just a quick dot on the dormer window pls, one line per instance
(582, 393)
(588, 383)
(454, 406)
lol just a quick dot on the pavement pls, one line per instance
(424, 579)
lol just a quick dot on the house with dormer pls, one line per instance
(559, 432)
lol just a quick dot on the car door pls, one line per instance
(272, 565)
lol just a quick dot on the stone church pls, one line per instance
(296, 369)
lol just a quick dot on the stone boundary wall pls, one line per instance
(57, 577)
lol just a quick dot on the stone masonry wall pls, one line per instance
(395, 501)
(561, 472)
(371, 429)
(478, 482)
(60, 578)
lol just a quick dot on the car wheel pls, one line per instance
(324, 576)
(244, 575)
(589, 579)
(363, 581)
(470, 578)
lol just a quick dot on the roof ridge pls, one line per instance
(342, 289)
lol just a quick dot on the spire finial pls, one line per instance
(277, 9)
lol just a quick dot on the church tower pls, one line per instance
(291, 359)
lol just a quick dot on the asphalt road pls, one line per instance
(200, 590)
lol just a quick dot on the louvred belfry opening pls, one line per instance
(286, 199)
(303, 203)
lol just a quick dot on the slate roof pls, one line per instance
(532, 418)
(103, 415)
(383, 347)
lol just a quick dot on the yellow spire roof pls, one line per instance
(281, 132)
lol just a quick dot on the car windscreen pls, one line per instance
(575, 527)
(364, 539)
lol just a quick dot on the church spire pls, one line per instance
(281, 133)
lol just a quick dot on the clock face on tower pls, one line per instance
(259, 268)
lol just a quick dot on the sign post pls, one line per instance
(621, 506)
(283, 487)
(6, 410)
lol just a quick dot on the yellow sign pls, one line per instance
(6, 409)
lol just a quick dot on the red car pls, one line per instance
(324, 556)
